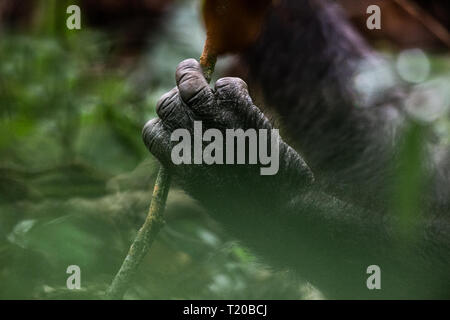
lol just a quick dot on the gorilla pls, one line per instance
(327, 214)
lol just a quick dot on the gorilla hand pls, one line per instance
(228, 106)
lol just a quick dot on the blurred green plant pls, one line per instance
(75, 176)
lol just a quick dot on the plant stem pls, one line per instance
(155, 218)
(208, 61)
(144, 239)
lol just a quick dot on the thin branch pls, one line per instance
(155, 218)
(144, 239)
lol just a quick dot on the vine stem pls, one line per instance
(155, 218)
(144, 239)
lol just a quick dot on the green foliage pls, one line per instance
(75, 177)
(409, 184)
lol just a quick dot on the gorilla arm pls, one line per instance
(287, 218)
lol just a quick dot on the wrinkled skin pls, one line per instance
(331, 225)
(283, 217)
(228, 106)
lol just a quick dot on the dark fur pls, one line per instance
(332, 230)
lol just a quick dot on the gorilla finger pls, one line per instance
(166, 104)
(232, 89)
(192, 85)
(157, 140)
(235, 90)
(171, 110)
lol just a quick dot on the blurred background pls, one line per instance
(76, 180)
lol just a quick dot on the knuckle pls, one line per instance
(195, 97)
(185, 69)
(157, 140)
(193, 89)
(191, 82)
(166, 103)
(230, 83)
(150, 132)
(232, 89)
